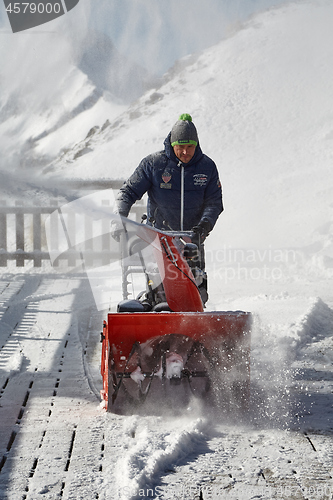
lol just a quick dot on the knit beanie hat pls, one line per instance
(184, 131)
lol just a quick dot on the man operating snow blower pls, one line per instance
(160, 350)
(183, 186)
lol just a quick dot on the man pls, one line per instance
(184, 191)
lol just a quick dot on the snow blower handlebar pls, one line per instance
(168, 259)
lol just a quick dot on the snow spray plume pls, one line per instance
(35, 69)
(271, 376)
(156, 34)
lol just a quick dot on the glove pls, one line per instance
(202, 229)
(116, 229)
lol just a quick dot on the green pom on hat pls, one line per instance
(185, 117)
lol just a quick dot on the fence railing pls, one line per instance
(13, 226)
(23, 237)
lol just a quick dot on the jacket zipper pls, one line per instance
(181, 196)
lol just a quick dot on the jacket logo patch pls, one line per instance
(166, 177)
(200, 179)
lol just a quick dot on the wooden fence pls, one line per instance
(23, 237)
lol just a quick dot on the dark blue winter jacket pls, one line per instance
(180, 195)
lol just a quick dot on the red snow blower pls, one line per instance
(161, 348)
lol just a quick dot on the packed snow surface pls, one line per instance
(57, 440)
(261, 100)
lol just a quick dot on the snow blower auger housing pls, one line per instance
(161, 348)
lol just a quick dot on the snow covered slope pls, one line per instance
(262, 103)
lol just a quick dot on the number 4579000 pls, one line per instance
(33, 8)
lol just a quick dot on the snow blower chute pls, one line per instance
(161, 346)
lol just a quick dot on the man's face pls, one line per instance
(184, 152)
